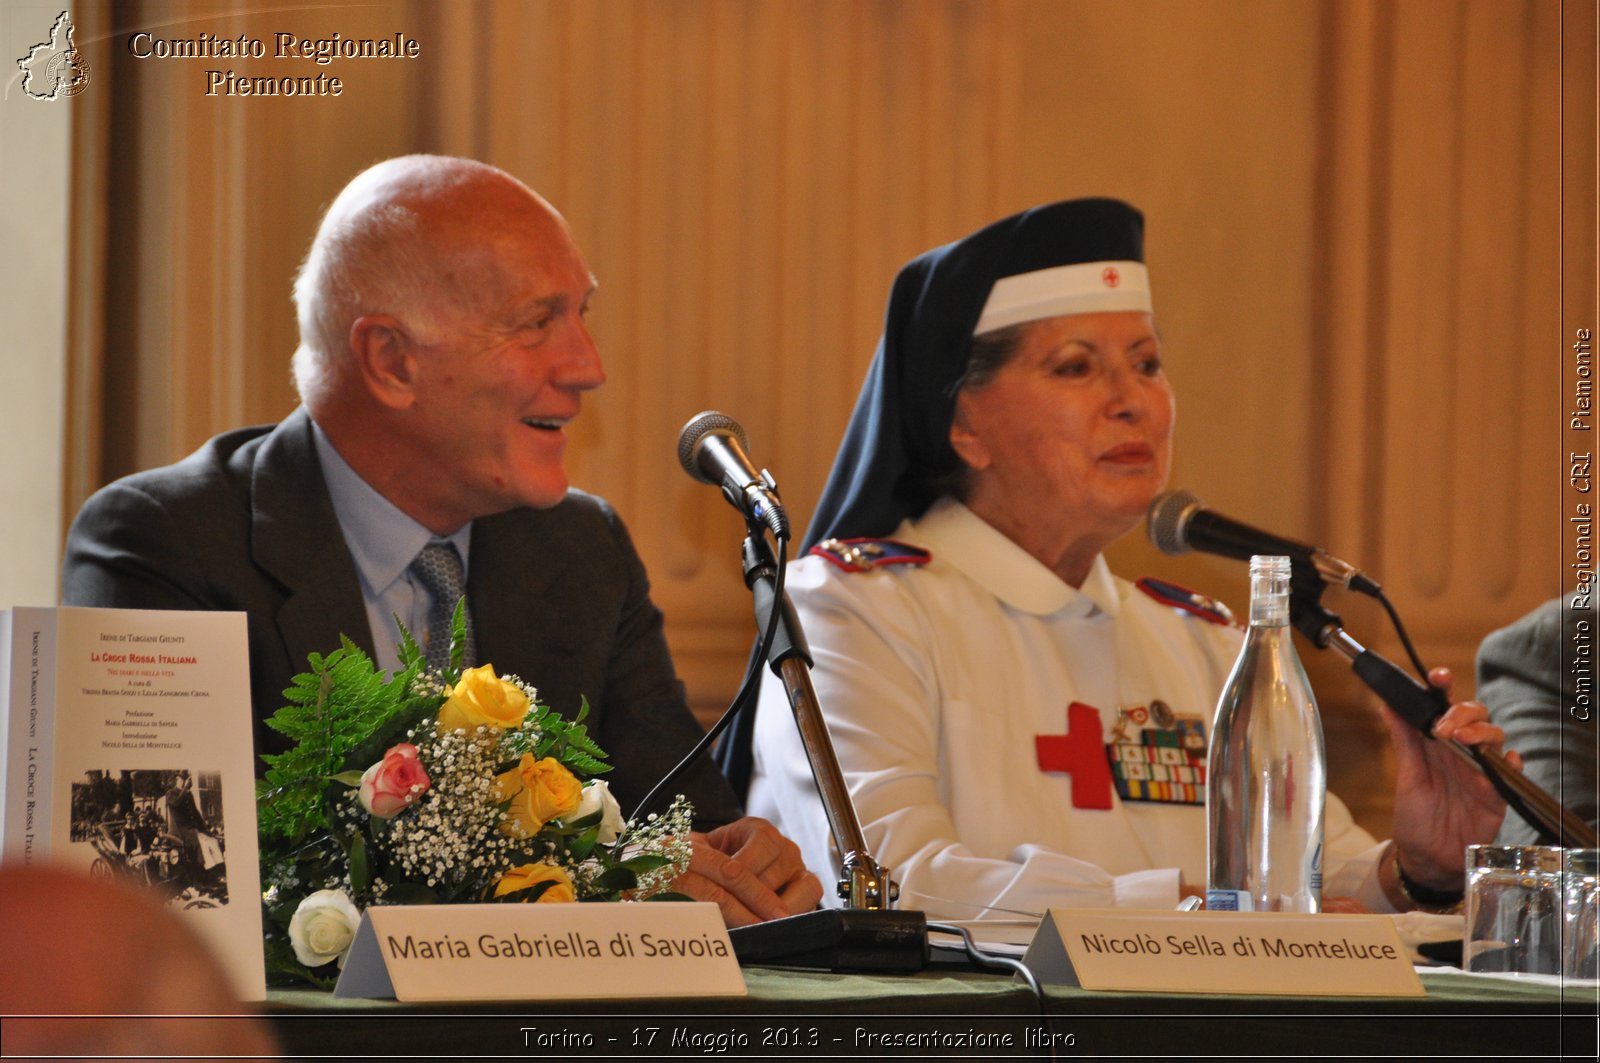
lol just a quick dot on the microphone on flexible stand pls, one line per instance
(868, 933)
(1178, 522)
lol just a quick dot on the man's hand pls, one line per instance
(1442, 803)
(1343, 906)
(751, 872)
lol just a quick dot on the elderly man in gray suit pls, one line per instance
(443, 350)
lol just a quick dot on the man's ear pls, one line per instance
(385, 357)
(963, 440)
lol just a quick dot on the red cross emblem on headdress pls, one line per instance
(1080, 753)
(1111, 276)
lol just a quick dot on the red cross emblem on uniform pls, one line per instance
(1111, 276)
(1081, 753)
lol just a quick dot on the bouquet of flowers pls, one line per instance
(427, 787)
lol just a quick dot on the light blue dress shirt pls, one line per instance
(383, 541)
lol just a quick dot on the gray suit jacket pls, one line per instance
(1521, 680)
(558, 596)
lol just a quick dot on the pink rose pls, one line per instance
(395, 783)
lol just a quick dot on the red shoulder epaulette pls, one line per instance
(1189, 601)
(864, 555)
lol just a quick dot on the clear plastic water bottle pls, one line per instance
(1266, 774)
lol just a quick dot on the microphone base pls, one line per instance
(837, 939)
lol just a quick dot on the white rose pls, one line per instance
(322, 928)
(597, 798)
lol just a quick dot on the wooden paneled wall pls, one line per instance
(744, 178)
(1438, 341)
(1353, 231)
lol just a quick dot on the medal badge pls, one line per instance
(1157, 755)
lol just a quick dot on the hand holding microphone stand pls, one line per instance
(1421, 705)
(1179, 522)
(867, 934)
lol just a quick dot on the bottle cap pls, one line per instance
(1269, 565)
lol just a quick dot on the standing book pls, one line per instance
(128, 755)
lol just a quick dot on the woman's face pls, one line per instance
(1072, 437)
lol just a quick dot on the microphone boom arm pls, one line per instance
(868, 933)
(1421, 705)
(863, 883)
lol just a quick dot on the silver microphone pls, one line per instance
(712, 449)
(1178, 522)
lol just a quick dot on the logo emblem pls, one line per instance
(1111, 277)
(54, 69)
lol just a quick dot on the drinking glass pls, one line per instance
(1514, 909)
(1580, 944)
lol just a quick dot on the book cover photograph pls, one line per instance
(161, 829)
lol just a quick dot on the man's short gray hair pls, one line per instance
(384, 247)
(372, 261)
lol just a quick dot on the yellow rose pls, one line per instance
(528, 875)
(539, 791)
(480, 698)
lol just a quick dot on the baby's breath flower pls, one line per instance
(451, 839)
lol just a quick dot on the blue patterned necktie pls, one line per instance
(438, 567)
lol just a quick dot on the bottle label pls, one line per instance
(1228, 901)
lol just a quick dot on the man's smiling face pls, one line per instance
(497, 384)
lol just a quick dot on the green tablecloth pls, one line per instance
(958, 1013)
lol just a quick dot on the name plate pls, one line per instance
(1223, 952)
(488, 952)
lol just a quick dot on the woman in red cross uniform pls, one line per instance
(1019, 727)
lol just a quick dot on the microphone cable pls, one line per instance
(748, 690)
(993, 962)
(1405, 639)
